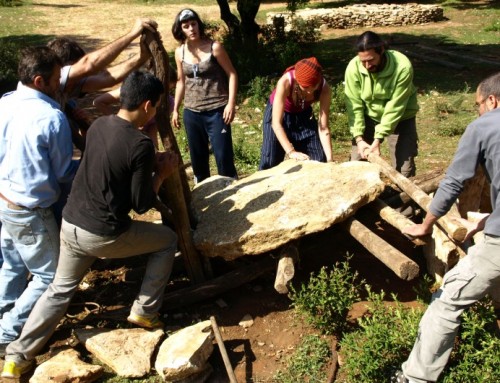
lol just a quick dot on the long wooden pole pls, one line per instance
(176, 193)
(453, 228)
(402, 266)
(223, 352)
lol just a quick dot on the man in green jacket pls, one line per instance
(382, 102)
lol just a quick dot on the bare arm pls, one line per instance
(96, 61)
(226, 64)
(323, 127)
(104, 103)
(179, 88)
(282, 90)
(111, 76)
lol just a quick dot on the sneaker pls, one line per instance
(398, 377)
(14, 369)
(146, 321)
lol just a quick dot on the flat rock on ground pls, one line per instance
(272, 207)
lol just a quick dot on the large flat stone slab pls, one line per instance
(272, 207)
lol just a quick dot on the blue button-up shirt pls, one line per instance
(35, 148)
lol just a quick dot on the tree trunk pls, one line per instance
(232, 22)
(176, 189)
(249, 28)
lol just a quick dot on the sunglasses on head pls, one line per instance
(186, 15)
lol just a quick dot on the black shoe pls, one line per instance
(3, 346)
(398, 377)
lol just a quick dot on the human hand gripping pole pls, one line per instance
(454, 229)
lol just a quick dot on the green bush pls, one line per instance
(308, 362)
(494, 27)
(8, 65)
(327, 298)
(9, 3)
(275, 50)
(475, 356)
(339, 123)
(382, 343)
(259, 90)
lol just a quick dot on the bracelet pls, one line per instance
(290, 151)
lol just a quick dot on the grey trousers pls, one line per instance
(469, 281)
(79, 249)
(403, 145)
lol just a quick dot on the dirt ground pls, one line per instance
(256, 353)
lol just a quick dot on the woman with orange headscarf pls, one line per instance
(290, 127)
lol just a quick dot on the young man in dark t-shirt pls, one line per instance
(115, 176)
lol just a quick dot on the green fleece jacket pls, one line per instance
(387, 97)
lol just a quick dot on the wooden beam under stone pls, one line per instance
(399, 263)
(219, 285)
(393, 218)
(456, 231)
(286, 268)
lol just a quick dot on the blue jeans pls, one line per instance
(202, 127)
(30, 244)
(79, 249)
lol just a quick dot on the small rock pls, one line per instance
(246, 321)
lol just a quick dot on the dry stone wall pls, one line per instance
(364, 15)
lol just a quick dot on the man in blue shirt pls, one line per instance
(35, 156)
(120, 172)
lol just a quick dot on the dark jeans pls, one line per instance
(202, 127)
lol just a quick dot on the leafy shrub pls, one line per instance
(246, 154)
(259, 90)
(382, 343)
(8, 65)
(475, 356)
(339, 123)
(452, 115)
(326, 299)
(494, 27)
(275, 50)
(9, 3)
(307, 363)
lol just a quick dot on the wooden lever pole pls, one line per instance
(456, 231)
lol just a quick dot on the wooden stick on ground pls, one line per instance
(453, 228)
(402, 266)
(223, 352)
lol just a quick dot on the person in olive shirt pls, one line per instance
(381, 103)
(119, 172)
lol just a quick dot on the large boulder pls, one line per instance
(272, 207)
